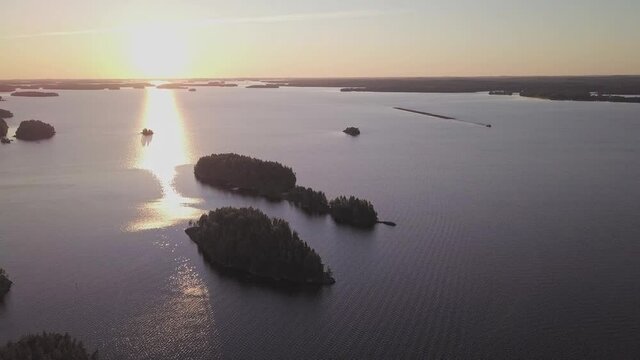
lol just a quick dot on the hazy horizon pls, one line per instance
(73, 39)
(249, 78)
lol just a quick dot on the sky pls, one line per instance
(329, 38)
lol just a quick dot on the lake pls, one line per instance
(516, 241)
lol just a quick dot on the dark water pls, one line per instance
(518, 241)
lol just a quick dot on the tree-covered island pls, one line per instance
(353, 211)
(278, 182)
(3, 128)
(233, 171)
(46, 346)
(32, 130)
(5, 114)
(247, 240)
(353, 131)
(34, 94)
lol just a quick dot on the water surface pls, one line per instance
(516, 241)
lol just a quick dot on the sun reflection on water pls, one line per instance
(160, 154)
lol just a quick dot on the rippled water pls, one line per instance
(519, 241)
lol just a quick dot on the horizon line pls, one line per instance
(258, 78)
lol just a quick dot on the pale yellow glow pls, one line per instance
(159, 52)
(160, 154)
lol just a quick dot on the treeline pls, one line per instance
(46, 346)
(344, 210)
(309, 200)
(34, 94)
(247, 240)
(622, 85)
(5, 283)
(5, 114)
(4, 128)
(576, 95)
(278, 182)
(265, 178)
(353, 131)
(353, 211)
(185, 85)
(32, 130)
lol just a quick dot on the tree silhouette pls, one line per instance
(247, 240)
(265, 178)
(5, 283)
(46, 346)
(32, 130)
(353, 211)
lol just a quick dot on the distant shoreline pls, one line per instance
(571, 88)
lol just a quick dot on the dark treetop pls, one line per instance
(5, 114)
(247, 240)
(353, 211)
(309, 200)
(3, 128)
(46, 346)
(266, 178)
(32, 130)
(353, 131)
(5, 283)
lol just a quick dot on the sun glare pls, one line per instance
(159, 52)
(160, 154)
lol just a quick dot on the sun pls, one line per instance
(159, 52)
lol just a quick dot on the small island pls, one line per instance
(5, 114)
(34, 94)
(33, 130)
(146, 132)
(353, 131)
(248, 241)
(5, 283)
(353, 211)
(263, 86)
(46, 346)
(246, 174)
(309, 200)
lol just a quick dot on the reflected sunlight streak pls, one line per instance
(160, 154)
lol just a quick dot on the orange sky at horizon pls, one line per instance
(353, 38)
